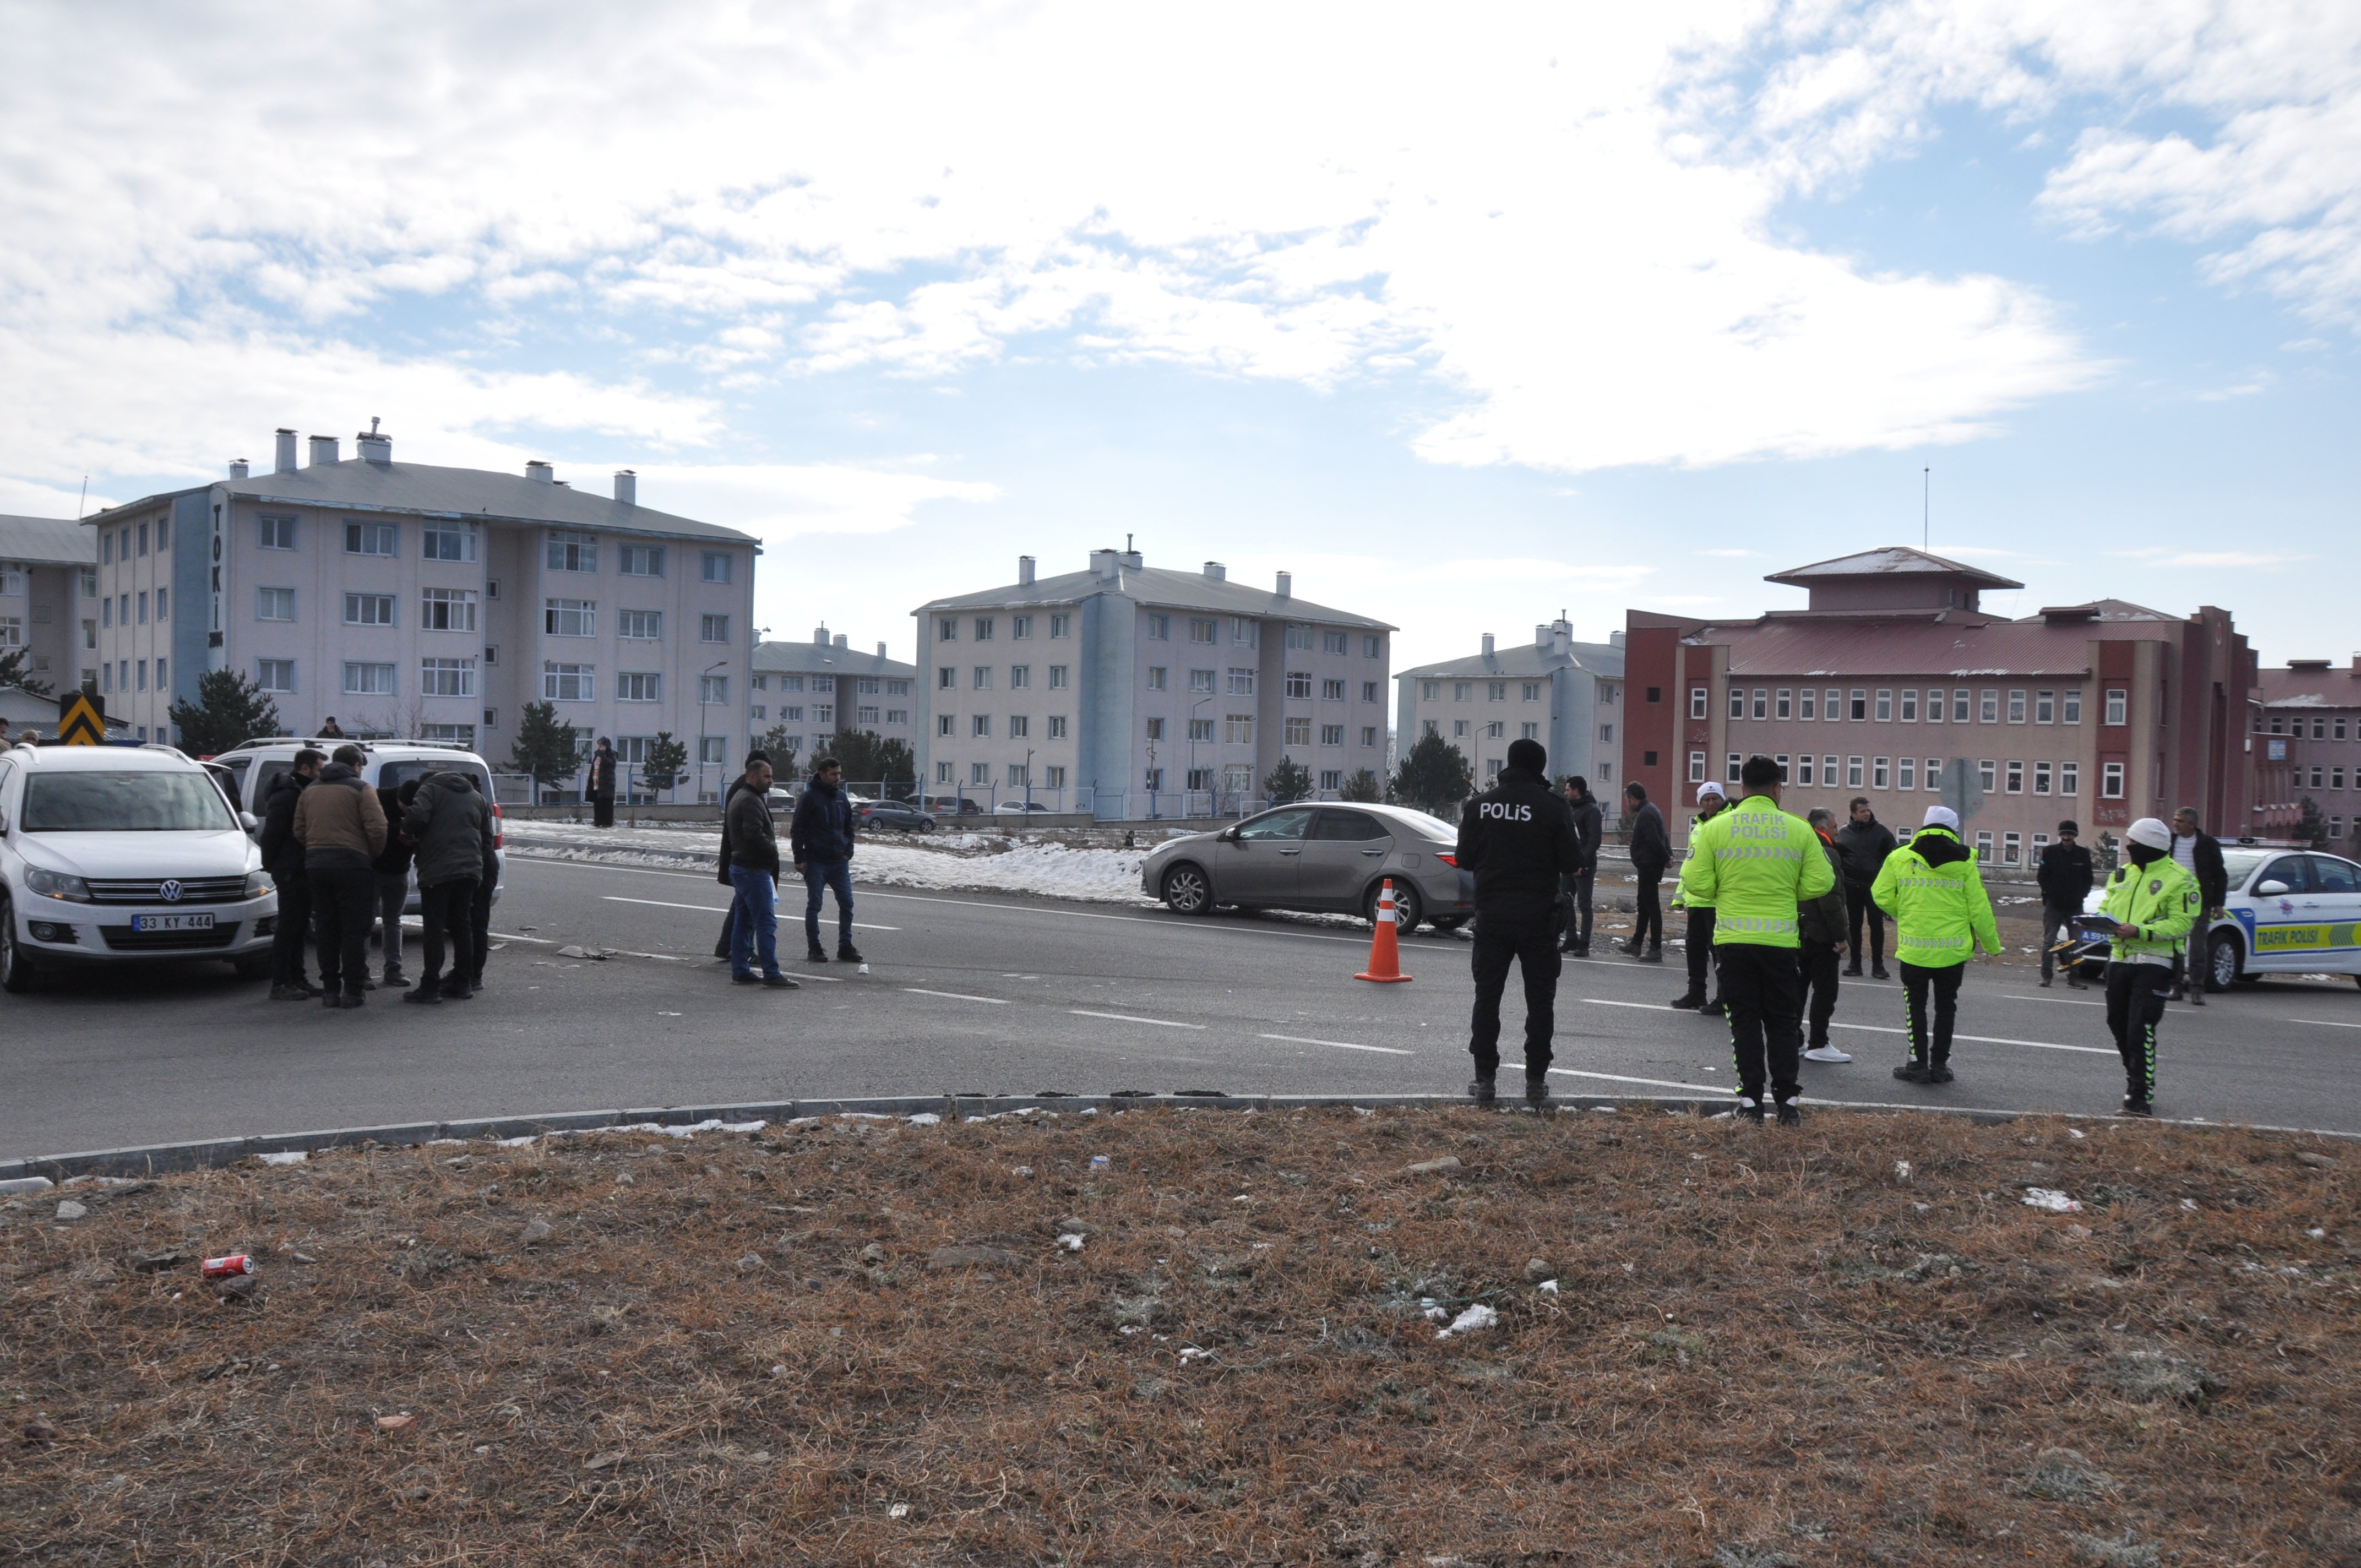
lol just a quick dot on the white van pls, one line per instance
(250, 770)
(120, 854)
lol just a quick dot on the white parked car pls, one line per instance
(114, 854)
(256, 765)
(2287, 911)
(1023, 808)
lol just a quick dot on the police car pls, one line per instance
(2287, 911)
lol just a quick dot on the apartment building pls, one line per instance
(404, 598)
(49, 609)
(1133, 691)
(1566, 695)
(2307, 744)
(1894, 683)
(812, 690)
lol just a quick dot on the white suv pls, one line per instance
(250, 770)
(114, 854)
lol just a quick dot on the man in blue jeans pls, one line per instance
(752, 844)
(821, 839)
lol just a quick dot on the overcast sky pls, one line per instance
(1466, 315)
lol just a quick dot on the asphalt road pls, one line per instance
(980, 993)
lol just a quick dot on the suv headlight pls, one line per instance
(257, 884)
(56, 885)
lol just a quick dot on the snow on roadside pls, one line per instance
(948, 862)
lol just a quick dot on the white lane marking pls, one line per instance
(1340, 1045)
(709, 909)
(505, 936)
(1127, 1018)
(1650, 1006)
(1720, 1090)
(2053, 1001)
(956, 995)
(2325, 1023)
(1983, 1039)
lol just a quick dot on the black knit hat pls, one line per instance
(1529, 755)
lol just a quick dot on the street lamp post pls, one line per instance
(703, 685)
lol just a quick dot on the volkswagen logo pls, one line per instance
(168, 892)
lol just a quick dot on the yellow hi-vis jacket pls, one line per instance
(1936, 894)
(2161, 899)
(1754, 864)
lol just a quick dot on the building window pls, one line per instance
(645, 686)
(713, 627)
(368, 610)
(1020, 727)
(824, 713)
(1157, 678)
(1299, 683)
(1853, 773)
(1245, 634)
(569, 683)
(1459, 730)
(1885, 708)
(2070, 706)
(712, 688)
(637, 560)
(1202, 728)
(1698, 696)
(1496, 690)
(368, 679)
(1336, 643)
(979, 774)
(2045, 710)
(2017, 708)
(2012, 848)
(164, 609)
(1984, 847)
(1960, 705)
(1737, 702)
(1529, 730)
(943, 722)
(1061, 626)
(1430, 691)
(567, 551)
(719, 565)
(946, 678)
(980, 726)
(274, 603)
(983, 628)
(274, 533)
(1332, 691)
(1910, 708)
(947, 628)
(1058, 727)
(1299, 732)
(2119, 709)
(447, 609)
(1495, 730)
(1153, 778)
(1241, 681)
(713, 749)
(942, 772)
(1237, 729)
(570, 617)
(981, 677)
(2016, 778)
(1933, 774)
(1332, 735)
(369, 538)
(1906, 773)
(1988, 707)
(1860, 705)
(443, 543)
(446, 677)
(1988, 776)
(1933, 704)
(2070, 778)
(1697, 767)
(644, 626)
(1058, 678)
(1462, 690)
(275, 675)
(1731, 765)
(2042, 778)
(1373, 647)
(1020, 627)
(1878, 777)
(1155, 729)
(1299, 637)
(1806, 704)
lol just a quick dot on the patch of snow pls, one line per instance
(925, 1119)
(292, 1157)
(1475, 1318)
(1070, 1243)
(2050, 1201)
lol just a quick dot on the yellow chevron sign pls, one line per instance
(81, 719)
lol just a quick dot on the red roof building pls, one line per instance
(1892, 683)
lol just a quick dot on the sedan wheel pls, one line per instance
(16, 974)
(1186, 891)
(2222, 962)
(1408, 911)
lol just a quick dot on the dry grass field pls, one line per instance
(865, 1342)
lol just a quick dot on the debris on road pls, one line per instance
(1449, 1162)
(2050, 1201)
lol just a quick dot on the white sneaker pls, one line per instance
(1827, 1053)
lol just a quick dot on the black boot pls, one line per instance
(1912, 1073)
(1536, 1089)
(1689, 999)
(1788, 1115)
(1751, 1110)
(846, 953)
(1480, 1090)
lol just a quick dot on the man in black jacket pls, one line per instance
(603, 784)
(2199, 854)
(1864, 842)
(1652, 851)
(282, 857)
(1587, 829)
(2065, 877)
(821, 839)
(1519, 839)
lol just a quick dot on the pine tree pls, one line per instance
(1433, 777)
(1363, 786)
(782, 752)
(15, 673)
(1290, 781)
(2312, 827)
(545, 750)
(666, 761)
(230, 710)
(870, 758)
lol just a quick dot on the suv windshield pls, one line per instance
(129, 802)
(393, 772)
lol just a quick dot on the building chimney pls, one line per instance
(1025, 571)
(881, 650)
(372, 447)
(1560, 639)
(537, 469)
(1134, 560)
(285, 457)
(1616, 637)
(324, 451)
(1105, 564)
(1217, 571)
(843, 638)
(627, 487)
(238, 467)
(819, 635)
(1541, 636)
(1488, 644)
(1287, 584)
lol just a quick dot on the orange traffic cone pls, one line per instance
(1385, 957)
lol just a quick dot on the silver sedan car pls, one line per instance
(1328, 857)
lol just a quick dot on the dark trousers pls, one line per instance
(480, 930)
(602, 811)
(392, 892)
(1577, 887)
(1861, 908)
(294, 927)
(1648, 930)
(1533, 944)
(1764, 989)
(1819, 962)
(2135, 998)
(1931, 1047)
(1700, 952)
(344, 903)
(450, 911)
(819, 877)
(2052, 919)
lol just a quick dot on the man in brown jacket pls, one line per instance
(342, 829)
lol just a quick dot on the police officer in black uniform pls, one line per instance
(1518, 839)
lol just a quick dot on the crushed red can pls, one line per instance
(228, 1267)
